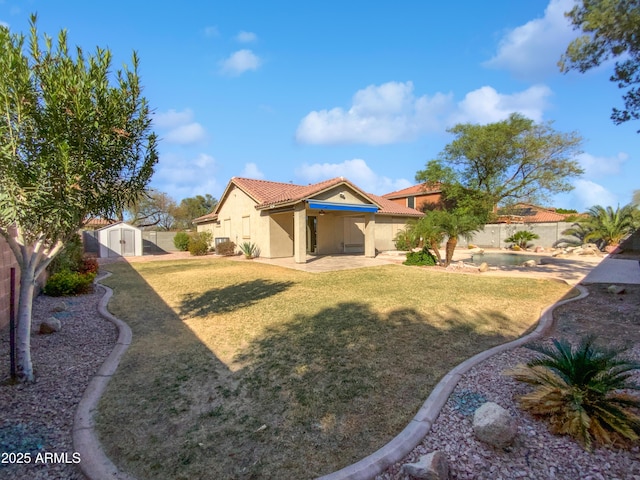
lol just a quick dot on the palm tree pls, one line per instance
(608, 226)
(429, 231)
(454, 227)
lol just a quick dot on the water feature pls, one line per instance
(503, 259)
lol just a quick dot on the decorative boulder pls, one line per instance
(484, 267)
(529, 263)
(50, 325)
(615, 289)
(494, 425)
(60, 307)
(433, 466)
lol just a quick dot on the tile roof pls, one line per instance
(524, 212)
(420, 189)
(387, 207)
(270, 194)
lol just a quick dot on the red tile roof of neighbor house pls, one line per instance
(271, 194)
(527, 213)
(421, 189)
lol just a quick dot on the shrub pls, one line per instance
(66, 282)
(404, 241)
(226, 248)
(89, 264)
(249, 249)
(199, 243)
(69, 258)
(181, 241)
(522, 238)
(423, 257)
(582, 391)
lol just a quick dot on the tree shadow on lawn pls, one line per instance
(231, 297)
(313, 394)
(334, 387)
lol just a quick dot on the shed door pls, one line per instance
(121, 242)
(128, 245)
(115, 247)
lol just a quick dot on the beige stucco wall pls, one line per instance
(240, 221)
(386, 229)
(333, 195)
(281, 232)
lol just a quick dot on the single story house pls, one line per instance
(287, 220)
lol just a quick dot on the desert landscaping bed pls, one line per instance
(536, 453)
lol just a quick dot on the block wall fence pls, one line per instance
(7, 260)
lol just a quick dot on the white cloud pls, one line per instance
(181, 127)
(598, 166)
(391, 113)
(588, 194)
(187, 134)
(251, 170)
(173, 118)
(246, 37)
(531, 51)
(355, 170)
(182, 176)
(240, 62)
(486, 105)
(4, 24)
(379, 115)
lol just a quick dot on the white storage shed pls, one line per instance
(120, 240)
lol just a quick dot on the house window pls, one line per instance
(246, 227)
(411, 202)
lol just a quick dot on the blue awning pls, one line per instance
(345, 207)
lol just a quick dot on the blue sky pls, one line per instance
(305, 91)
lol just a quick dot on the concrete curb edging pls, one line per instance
(412, 435)
(94, 462)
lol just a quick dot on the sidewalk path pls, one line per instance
(613, 270)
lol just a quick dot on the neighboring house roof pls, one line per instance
(95, 222)
(421, 189)
(528, 213)
(387, 207)
(268, 194)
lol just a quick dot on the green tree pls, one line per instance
(607, 226)
(152, 209)
(428, 232)
(455, 226)
(75, 141)
(193, 207)
(507, 162)
(610, 30)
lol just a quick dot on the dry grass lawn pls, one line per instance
(246, 370)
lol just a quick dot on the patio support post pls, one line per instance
(300, 233)
(370, 235)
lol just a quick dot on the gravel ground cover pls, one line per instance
(36, 420)
(537, 454)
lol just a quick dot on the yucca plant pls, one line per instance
(249, 249)
(584, 391)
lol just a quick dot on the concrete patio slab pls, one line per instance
(613, 270)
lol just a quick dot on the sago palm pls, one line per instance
(584, 391)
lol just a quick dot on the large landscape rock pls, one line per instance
(494, 425)
(433, 466)
(530, 263)
(484, 267)
(50, 325)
